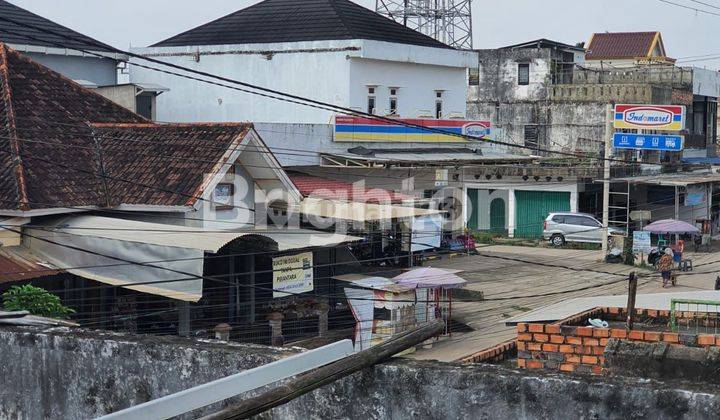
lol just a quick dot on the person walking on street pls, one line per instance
(665, 265)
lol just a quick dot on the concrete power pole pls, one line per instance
(606, 177)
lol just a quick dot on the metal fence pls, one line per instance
(692, 315)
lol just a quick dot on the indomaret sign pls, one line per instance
(650, 117)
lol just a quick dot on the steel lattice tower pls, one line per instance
(448, 21)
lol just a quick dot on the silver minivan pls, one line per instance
(564, 227)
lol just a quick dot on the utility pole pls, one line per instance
(606, 177)
(632, 293)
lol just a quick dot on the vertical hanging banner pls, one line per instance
(650, 117)
(292, 274)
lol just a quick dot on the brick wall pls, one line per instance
(570, 346)
(494, 354)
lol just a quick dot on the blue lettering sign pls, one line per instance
(668, 143)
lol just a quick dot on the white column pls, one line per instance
(574, 199)
(465, 208)
(511, 213)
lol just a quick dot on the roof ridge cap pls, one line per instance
(340, 17)
(23, 202)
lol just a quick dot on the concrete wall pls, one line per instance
(123, 95)
(335, 72)
(101, 71)
(55, 374)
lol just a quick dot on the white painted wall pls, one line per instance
(336, 72)
(417, 85)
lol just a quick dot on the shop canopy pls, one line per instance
(431, 278)
(160, 259)
(360, 211)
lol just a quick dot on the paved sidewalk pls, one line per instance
(498, 278)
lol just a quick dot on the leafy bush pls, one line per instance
(35, 300)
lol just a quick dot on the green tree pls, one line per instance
(35, 300)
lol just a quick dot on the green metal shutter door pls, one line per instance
(472, 222)
(532, 207)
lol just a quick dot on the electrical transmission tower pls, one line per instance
(448, 21)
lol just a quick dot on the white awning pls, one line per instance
(358, 211)
(167, 259)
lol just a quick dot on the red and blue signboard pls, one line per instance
(420, 130)
(650, 117)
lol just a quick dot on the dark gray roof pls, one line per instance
(14, 34)
(544, 43)
(274, 21)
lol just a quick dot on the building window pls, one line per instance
(531, 136)
(473, 77)
(371, 103)
(438, 104)
(223, 196)
(393, 102)
(523, 74)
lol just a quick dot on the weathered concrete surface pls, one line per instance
(56, 374)
(433, 390)
(663, 361)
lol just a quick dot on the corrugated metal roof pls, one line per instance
(671, 180)
(334, 189)
(192, 238)
(568, 308)
(19, 263)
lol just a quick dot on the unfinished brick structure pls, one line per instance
(572, 346)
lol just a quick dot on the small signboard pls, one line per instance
(641, 242)
(417, 130)
(650, 117)
(648, 142)
(292, 274)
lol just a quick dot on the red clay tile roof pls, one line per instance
(50, 158)
(172, 158)
(620, 45)
(338, 190)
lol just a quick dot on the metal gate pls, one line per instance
(532, 207)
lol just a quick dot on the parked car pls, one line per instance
(564, 227)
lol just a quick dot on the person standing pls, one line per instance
(665, 265)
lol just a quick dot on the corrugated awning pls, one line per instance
(18, 263)
(671, 180)
(168, 260)
(360, 212)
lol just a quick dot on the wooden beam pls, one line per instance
(305, 383)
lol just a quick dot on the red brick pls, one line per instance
(601, 332)
(585, 331)
(566, 349)
(614, 310)
(573, 340)
(598, 351)
(652, 313)
(571, 358)
(524, 337)
(664, 314)
(521, 363)
(706, 339)
(618, 333)
(652, 336)
(635, 335)
(603, 342)
(591, 342)
(717, 343)
(521, 327)
(541, 338)
(521, 345)
(597, 370)
(589, 360)
(588, 350)
(670, 337)
(567, 367)
(534, 347)
(557, 339)
(601, 360)
(536, 328)
(552, 329)
(534, 364)
(550, 347)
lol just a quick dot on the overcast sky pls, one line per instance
(496, 22)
